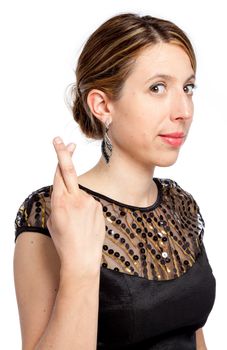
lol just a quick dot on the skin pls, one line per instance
(137, 119)
(66, 283)
(57, 278)
(142, 113)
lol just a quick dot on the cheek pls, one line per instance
(136, 134)
(137, 126)
(145, 128)
(127, 132)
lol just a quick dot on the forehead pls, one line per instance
(163, 58)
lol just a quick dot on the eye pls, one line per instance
(193, 86)
(154, 87)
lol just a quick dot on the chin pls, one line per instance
(166, 161)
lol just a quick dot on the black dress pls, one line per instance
(156, 284)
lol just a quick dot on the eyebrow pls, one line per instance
(169, 77)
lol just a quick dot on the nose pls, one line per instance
(182, 106)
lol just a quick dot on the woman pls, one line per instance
(120, 262)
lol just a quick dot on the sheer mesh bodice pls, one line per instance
(158, 242)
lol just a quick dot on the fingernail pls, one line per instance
(57, 140)
(71, 147)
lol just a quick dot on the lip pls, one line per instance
(173, 141)
(174, 135)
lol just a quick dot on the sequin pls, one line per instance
(135, 257)
(160, 242)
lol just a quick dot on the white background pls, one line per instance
(40, 42)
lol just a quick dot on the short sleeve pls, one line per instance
(33, 213)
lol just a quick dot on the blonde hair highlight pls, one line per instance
(107, 60)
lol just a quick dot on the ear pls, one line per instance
(100, 105)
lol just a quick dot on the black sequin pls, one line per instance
(134, 235)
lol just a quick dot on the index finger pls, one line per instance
(66, 176)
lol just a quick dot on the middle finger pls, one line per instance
(65, 176)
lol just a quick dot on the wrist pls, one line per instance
(71, 275)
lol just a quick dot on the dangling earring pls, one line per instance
(106, 145)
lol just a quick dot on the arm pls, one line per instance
(57, 310)
(200, 341)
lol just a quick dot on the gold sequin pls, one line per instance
(159, 242)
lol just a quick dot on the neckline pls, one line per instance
(132, 207)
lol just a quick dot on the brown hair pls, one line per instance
(108, 56)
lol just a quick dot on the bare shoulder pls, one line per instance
(36, 276)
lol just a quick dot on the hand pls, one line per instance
(76, 222)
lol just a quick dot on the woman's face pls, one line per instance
(150, 106)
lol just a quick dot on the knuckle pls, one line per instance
(91, 199)
(99, 205)
(96, 204)
(86, 200)
(84, 194)
(100, 209)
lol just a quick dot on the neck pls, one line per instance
(126, 181)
